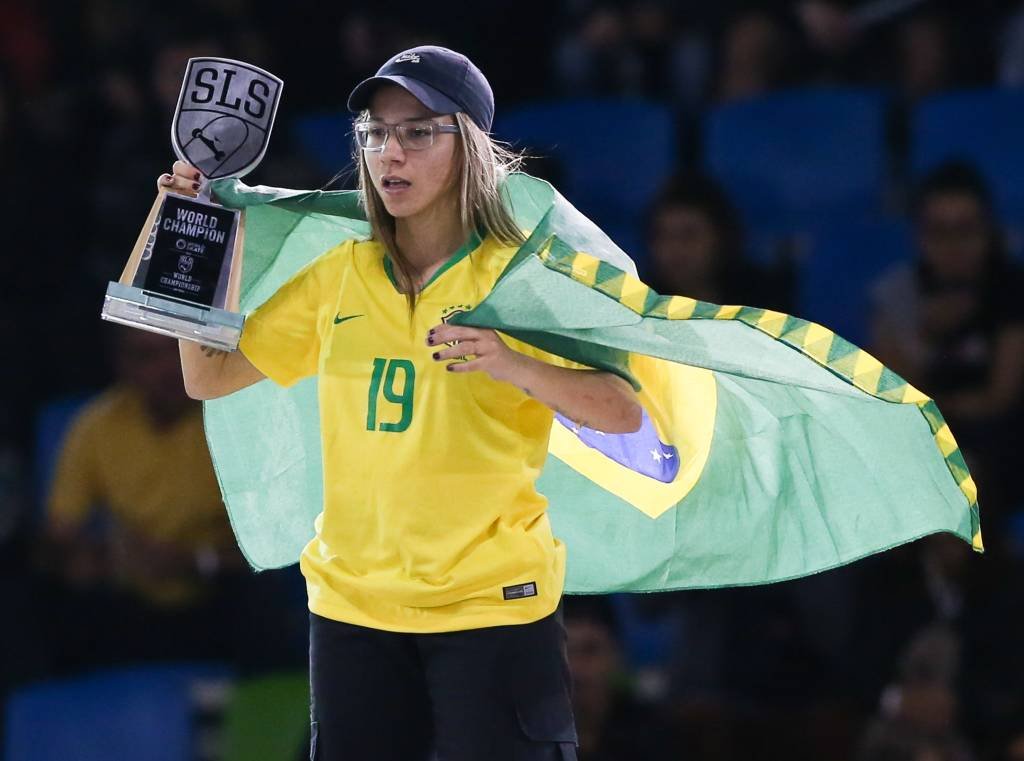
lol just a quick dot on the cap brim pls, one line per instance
(433, 99)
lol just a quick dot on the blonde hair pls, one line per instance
(483, 165)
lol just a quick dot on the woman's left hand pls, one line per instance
(590, 398)
(489, 352)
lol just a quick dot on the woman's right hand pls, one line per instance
(184, 179)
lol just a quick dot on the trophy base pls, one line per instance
(141, 309)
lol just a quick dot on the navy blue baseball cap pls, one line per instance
(441, 79)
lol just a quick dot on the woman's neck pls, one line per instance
(429, 241)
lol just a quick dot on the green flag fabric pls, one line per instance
(770, 447)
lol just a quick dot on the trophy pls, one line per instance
(184, 274)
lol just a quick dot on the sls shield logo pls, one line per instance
(225, 112)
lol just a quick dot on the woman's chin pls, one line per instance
(399, 207)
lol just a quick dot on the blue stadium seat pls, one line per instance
(981, 126)
(647, 640)
(325, 139)
(789, 158)
(612, 155)
(141, 713)
(842, 261)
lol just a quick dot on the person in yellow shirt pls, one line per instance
(137, 453)
(135, 519)
(434, 580)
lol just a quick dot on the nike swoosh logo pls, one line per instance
(338, 319)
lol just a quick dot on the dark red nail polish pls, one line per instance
(436, 355)
(197, 176)
(195, 186)
(449, 367)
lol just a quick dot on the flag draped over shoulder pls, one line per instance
(770, 447)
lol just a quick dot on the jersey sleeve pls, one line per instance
(282, 336)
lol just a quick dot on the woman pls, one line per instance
(950, 323)
(695, 240)
(433, 579)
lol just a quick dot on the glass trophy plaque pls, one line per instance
(184, 274)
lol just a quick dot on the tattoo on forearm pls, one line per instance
(209, 351)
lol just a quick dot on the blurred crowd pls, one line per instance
(115, 548)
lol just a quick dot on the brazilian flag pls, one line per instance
(770, 447)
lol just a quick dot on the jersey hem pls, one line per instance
(464, 621)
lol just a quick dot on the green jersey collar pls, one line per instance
(468, 247)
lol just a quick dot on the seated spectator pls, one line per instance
(611, 723)
(918, 593)
(926, 56)
(695, 242)
(918, 715)
(674, 57)
(139, 534)
(932, 612)
(596, 58)
(840, 47)
(758, 55)
(828, 26)
(896, 741)
(1011, 49)
(633, 49)
(950, 322)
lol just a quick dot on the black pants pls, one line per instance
(493, 694)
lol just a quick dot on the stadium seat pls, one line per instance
(611, 155)
(267, 719)
(840, 263)
(647, 640)
(790, 158)
(325, 139)
(144, 713)
(982, 127)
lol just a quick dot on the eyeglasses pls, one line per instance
(373, 136)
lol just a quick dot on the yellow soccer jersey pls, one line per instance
(431, 520)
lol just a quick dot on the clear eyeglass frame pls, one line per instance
(412, 136)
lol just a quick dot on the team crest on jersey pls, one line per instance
(448, 312)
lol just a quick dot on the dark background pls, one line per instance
(771, 154)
